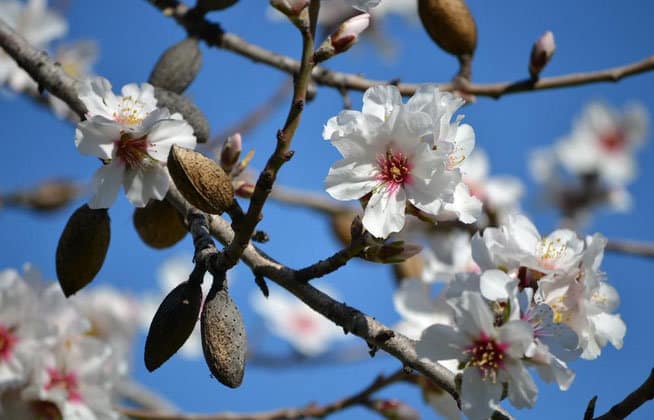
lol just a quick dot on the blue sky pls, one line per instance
(590, 34)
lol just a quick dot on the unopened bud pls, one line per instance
(231, 152)
(395, 410)
(343, 38)
(392, 252)
(245, 190)
(411, 268)
(541, 53)
(290, 8)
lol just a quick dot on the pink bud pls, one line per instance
(395, 410)
(348, 33)
(230, 152)
(541, 53)
(289, 7)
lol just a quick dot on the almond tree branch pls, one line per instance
(282, 153)
(643, 249)
(352, 320)
(642, 394)
(196, 25)
(310, 411)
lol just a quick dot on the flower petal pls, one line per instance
(105, 185)
(95, 137)
(350, 180)
(145, 184)
(166, 133)
(384, 213)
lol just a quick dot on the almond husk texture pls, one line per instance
(201, 181)
(159, 224)
(450, 24)
(82, 248)
(223, 338)
(172, 323)
(191, 113)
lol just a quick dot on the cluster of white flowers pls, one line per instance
(133, 137)
(535, 301)
(600, 150)
(396, 154)
(60, 358)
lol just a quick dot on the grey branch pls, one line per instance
(195, 24)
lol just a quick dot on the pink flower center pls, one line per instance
(303, 324)
(394, 169)
(613, 141)
(487, 354)
(65, 381)
(132, 151)
(7, 343)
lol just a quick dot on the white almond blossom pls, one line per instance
(584, 301)
(448, 253)
(518, 244)
(490, 356)
(388, 155)
(133, 137)
(20, 330)
(604, 141)
(500, 194)
(38, 25)
(306, 330)
(50, 365)
(172, 272)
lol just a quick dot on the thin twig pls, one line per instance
(142, 396)
(282, 152)
(317, 411)
(644, 249)
(214, 36)
(633, 401)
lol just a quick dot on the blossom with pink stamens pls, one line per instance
(392, 155)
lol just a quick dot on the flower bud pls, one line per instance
(82, 248)
(201, 181)
(290, 8)
(343, 38)
(395, 410)
(541, 53)
(392, 252)
(231, 152)
(411, 268)
(450, 24)
(177, 66)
